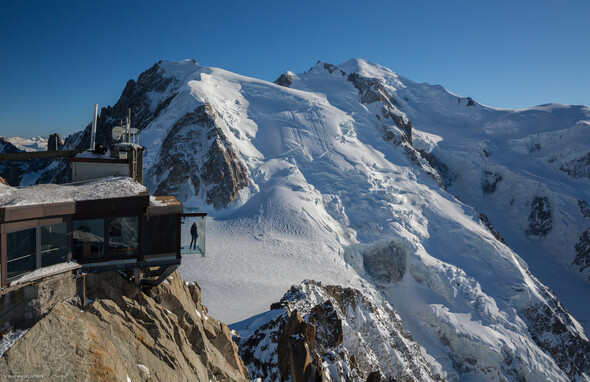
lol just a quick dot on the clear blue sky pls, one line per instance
(61, 57)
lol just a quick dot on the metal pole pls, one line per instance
(93, 136)
(129, 126)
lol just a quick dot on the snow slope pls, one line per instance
(337, 193)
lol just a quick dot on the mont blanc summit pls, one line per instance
(467, 224)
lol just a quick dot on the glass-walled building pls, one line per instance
(100, 234)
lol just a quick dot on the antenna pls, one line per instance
(117, 132)
(129, 125)
(93, 134)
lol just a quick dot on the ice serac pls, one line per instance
(162, 334)
(196, 153)
(331, 333)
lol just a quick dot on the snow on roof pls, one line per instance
(106, 188)
(46, 271)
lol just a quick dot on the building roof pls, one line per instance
(106, 188)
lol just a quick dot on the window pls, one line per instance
(123, 237)
(88, 239)
(21, 252)
(54, 247)
(161, 235)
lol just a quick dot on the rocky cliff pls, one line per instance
(330, 333)
(125, 333)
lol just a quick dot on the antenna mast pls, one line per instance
(93, 134)
(129, 125)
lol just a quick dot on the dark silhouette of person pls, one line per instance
(195, 235)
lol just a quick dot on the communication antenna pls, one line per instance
(129, 125)
(93, 133)
(117, 132)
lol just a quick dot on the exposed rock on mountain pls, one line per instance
(137, 96)
(583, 250)
(179, 172)
(285, 79)
(330, 333)
(372, 90)
(578, 167)
(540, 219)
(490, 180)
(486, 221)
(554, 331)
(584, 209)
(161, 334)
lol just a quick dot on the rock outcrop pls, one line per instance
(137, 97)
(158, 334)
(554, 331)
(578, 167)
(490, 182)
(444, 172)
(540, 219)
(372, 90)
(583, 250)
(196, 153)
(285, 79)
(330, 333)
(486, 221)
(584, 209)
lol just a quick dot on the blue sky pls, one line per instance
(61, 57)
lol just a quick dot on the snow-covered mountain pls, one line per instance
(29, 144)
(429, 204)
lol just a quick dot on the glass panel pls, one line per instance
(54, 247)
(192, 237)
(88, 239)
(161, 235)
(21, 251)
(123, 236)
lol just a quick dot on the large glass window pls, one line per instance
(123, 236)
(54, 248)
(88, 239)
(161, 234)
(21, 252)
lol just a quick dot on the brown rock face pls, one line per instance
(195, 154)
(330, 333)
(161, 334)
(302, 342)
